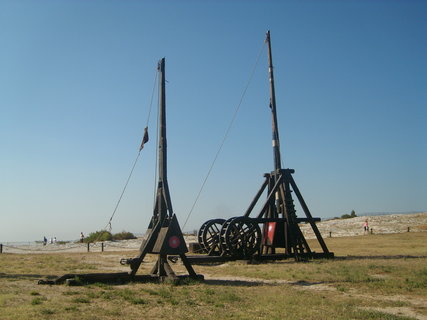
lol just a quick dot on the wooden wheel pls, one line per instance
(208, 236)
(240, 237)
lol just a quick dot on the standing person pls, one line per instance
(54, 239)
(82, 237)
(366, 226)
(44, 241)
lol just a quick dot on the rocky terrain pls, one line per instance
(393, 223)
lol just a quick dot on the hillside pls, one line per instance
(393, 223)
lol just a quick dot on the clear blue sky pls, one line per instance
(75, 84)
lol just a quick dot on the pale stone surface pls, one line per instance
(393, 223)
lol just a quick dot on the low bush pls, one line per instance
(348, 216)
(108, 236)
(124, 235)
(99, 236)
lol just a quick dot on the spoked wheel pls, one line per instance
(240, 237)
(208, 236)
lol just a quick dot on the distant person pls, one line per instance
(366, 226)
(51, 240)
(44, 241)
(82, 237)
(54, 239)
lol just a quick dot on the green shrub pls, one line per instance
(348, 216)
(108, 236)
(99, 236)
(124, 235)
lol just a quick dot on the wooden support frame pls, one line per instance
(279, 208)
(277, 213)
(163, 236)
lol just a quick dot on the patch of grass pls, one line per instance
(81, 300)
(125, 293)
(47, 311)
(228, 296)
(374, 314)
(70, 293)
(400, 304)
(137, 301)
(324, 289)
(209, 291)
(38, 300)
(380, 276)
(381, 268)
(342, 289)
(151, 292)
(107, 295)
(407, 243)
(72, 308)
(103, 286)
(92, 295)
(165, 292)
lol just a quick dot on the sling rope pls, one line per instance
(108, 225)
(226, 134)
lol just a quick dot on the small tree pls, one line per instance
(348, 216)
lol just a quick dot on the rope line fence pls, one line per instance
(86, 247)
(78, 247)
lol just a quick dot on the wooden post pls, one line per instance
(276, 142)
(88, 244)
(1, 248)
(372, 231)
(330, 234)
(102, 246)
(409, 228)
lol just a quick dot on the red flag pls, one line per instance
(144, 139)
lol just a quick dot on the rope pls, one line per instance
(151, 100)
(121, 195)
(108, 225)
(226, 134)
(42, 249)
(58, 248)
